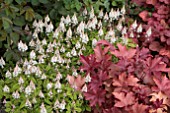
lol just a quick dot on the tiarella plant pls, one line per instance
(39, 81)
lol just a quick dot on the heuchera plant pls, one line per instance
(158, 21)
(137, 83)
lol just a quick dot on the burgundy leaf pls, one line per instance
(124, 99)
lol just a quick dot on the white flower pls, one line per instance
(94, 42)
(41, 94)
(91, 13)
(134, 25)
(44, 42)
(101, 14)
(75, 72)
(84, 12)
(62, 27)
(73, 52)
(32, 43)
(99, 24)
(28, 103)
(43, 77)
(78, 45)
(26, 28)
(69, 33)
(43, 109)
(22, 47)
(83, 48)
(124, 30)
(49, 28)
(80, 52)
(38, 72)
(59, 76)
(15, 95)
(85, 38)
(40, 25)
(34, 101)
(119, 26)
(53, 59)
(132, 35)
(62, 19)
(88, 78)
(56, 104)
(125, 40)
(8, 74)
(113, 39)
(35, 34)
(47, 19)
(80, 28)
(68, 54)
(2, 62)
(62, 49)
(74, 19)
(56, 33)
(106, 17)
(57, 85)
(6, 89)
(32, 54)
(50, 94)
(49, 86)
(100, 32)
(84, 88)
(139, 29)
(35, 24)
(149, 32)
(111, 14)
(28, 90)
(67, 20)
(32, 85)
(20, 80)
(62, 105)
(17, 70)
(123, 10)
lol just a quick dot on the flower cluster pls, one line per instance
(39, 81)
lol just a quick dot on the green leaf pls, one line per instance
(78, 109)
(43, 1)
(34, 2)
(22, 104)
(8, 110)
(6, 22)
(19, 21)
(3, 35)
(114, 3)
(29, 15)
(15, 37)
(19, 1)
(8, 1)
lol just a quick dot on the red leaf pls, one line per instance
(124, 99)
(124, 80)
(137, 108)
(101, 54)
(76, 83)
(155, 46)
(162, 85)
(106, 43)
(123, 52)
(152, 2)
(89, 63)
(144, 15)
(95, 97)
(165, 52)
